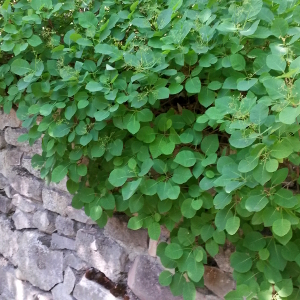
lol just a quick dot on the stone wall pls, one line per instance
(46, 246)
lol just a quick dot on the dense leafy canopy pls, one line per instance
(178, 113)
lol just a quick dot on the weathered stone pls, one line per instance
(90, 290)
(26, 163)
(9, 191)
(69, 280)
(17, 289)
(26, 184)
(44, 221)
(22, 219)
(3, 181)
(41, 266)
(56, 201)
(64, 226)
(24, 204)
(13, 157)
(11, 137)
(59, 293)
(217, 281)
(143, 280)
(75, 262)
(62, 185)
(2, 140)
(61, 242)
(5, 204)
(223, 257)
(9, 120)
(9, 240)
(78, 215)
(101, 252)
(117, 229)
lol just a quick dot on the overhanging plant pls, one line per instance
(178, 113)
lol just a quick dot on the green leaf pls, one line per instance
(34, 41)
(256, 203)
(59, 173)
(181, 175)
(87, 19)
(164, 18)
(187, 209)
(259, 113)
(95, 212)
(117, 177)
(94, 86)
(279, 27)
(173, 251)
(240, 140)
(20, 67)
(276, 62)
(135, 223)
(210, 144)
(154, 231)
(248, 164)
(189, 291)
(193, 85)
(281, 227)
(130, 188)
(141, 23)
(232, 225)
(185, 158)
(288, 115)
(238, 62)
(284, 288)
(165, 278)
(241, 262)
(195, 270)
(254, 241)
(61, 130)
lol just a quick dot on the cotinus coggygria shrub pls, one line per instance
(178, 113)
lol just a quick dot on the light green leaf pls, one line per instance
(232, 225)
(193, 85)
(276, 62)
(281, 227)
(164, 18)
(20, 67)
(117, 177)
(141, 23)
(185, 158)
(95, 212)
(173, 251)
(165, 278)
(59, 173)
(241, 262)
(154, 231)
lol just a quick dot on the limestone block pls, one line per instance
(41, 266)
(9, 240)
(9, 120)
(90, 290)
(3, 181)
(25, 184)
(22, 220)
(69, 280)
(217, 281)
(101, 252)
(117, 229)
(75, 262)
(62, 185)
(59, 293)
(26, 163)
(11, 136)
(56, 201)
(2, 140)
(13, 157)
(9, 191)
(24, 204)
(5, 204)
(60, 242)
(65, 226)
(143, 280)
(78, 215)
(44, 220)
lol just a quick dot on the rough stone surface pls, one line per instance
(223, 258)
(56, 201)
(13, 157)
(2, 140)
(9, 120)
(59, 293)
(41, 266)
(217, 281)
(89, 290)
(26, 163)
(26, 184)
(24, 204)
(64, 226)
(101, 252)
(5, 204)
(61, 242)
(69, 280)
(117, 229)
(78, 215)
(3, 181)
(22, 219)
(44, 221)
(75, 262)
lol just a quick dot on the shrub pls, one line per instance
(178, 113)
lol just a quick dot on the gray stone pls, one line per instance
(62, 185)
(56, 201)
(69, 280)
(117, 229)
(75, 262)
(78, 215)
(61, 242)
(24, 204)
(44, 221)
(13, 157)
(65, 226)
(26, 163)
(26, 184)
(90, 290)
(217, 281)
(11, 137)
(22, 220)
(59, 293)
(223, 257)
(9, 120)
(101, 252)
(5, 204)
(9, 191)
(2, 140)
(41, 266)
(9, 240)
(143, 280)
(3, 182)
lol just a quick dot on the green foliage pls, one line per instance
(177, 113)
